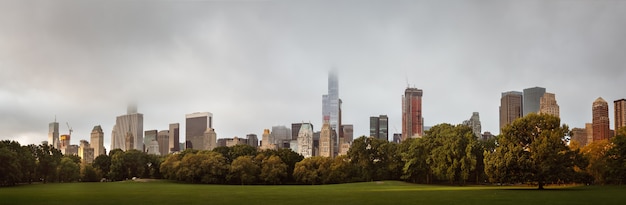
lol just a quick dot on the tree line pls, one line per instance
(531, 150)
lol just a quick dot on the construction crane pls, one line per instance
(70, 128)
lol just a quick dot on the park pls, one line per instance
(379, 192)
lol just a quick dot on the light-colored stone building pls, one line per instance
(266, 142)
(548, 105)
(85, 152)
(326, 141)
(97, 141)
(474, 123)
(131, 123)
(305, 140)
(210, 138)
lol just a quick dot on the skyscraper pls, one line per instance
(281, 136)
(97, 141)
(327, 137)
(600, 122)
(348, 132)
(305, 140)
(532, 98)
(131, 123)
(210, 138)
(474, 123)
(379, 127)
(548, 105)
(85, 152)
(253, 140)
(331, 105)
(164, 141)
(266, 142)
(148, 137)
(412, 120)
(196, 124)
(174, 138)
(510, 107)
(620, 114)
(53, 134)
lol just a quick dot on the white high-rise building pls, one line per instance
(131, 123)
(305, 140)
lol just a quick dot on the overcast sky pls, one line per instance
(257, 64)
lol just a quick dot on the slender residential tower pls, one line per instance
(174, 145)
(600, 122)
(532, 99)
(97, 141)
(53, 134)
(412, 120)
(620, 114)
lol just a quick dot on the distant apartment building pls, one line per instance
(174, 138)
(532, 100)
(305, 140)
(620, 114)
(348, 132)
(579, 135)
(195, 128)
(149, 136)
(510, 107)
(600, 113)
(97, 141)
(548, 105)
(327, 136)
(412, 119)
(474, 123)
(163, 139)
(253, 140)
(281, 136)
(379, 127)
(85, 152)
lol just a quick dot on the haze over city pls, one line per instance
(258, 64)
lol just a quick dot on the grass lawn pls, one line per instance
(388, 192)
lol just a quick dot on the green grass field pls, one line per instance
(388, 192)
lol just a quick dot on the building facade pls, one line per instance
(510, 107)
(174, 138)
(97, 141)
(532, 100)
(348, 132)
(281, 136)
(149, 136)
(600, 113)
(305, 140)
(266, 142)
(620, 114)
(412, 119)
(579, 135)
(85, 152)
(195, 128)
(548, 105)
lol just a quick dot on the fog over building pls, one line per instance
(532, 100)
(510, 107)
(196, 125)
(131, 123)
(412, 119)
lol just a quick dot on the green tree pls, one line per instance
(204, 167)
(273, 170)
(68, 170)
(414, 153)
(312, 170)
(378, 159)
(9, 167)
(340, 170)
(451, 155)
(532, 149)
(88, 173)
(48, 158)
(616, 156)
(244, 170)
(102, 165)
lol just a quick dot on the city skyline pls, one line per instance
(258, 65)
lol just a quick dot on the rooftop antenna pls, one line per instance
(407, 79)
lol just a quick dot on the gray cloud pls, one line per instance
(256, 64)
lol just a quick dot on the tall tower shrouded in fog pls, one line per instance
(412, 119)
(331, 106)
(125, 126)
